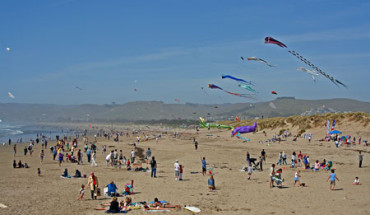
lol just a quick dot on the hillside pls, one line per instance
(155, 110)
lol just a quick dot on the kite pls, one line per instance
(304, 60)
(135, 89)
(272, 105)
(178, 100)
(203, 124)
(215, 106)
(78, 88)
(238, 80)
(237, 119)
(244, 129)
(273, 92)
(311, 72)
(260, 60)
(11, 95)
(212, 86)
(242, 57)
(8, 49)
(247, 87)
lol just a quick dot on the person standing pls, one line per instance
(132, 156)
(148, 155)
(88, 154)
(204, 166)
(14, 148)
(181, 171)
(153, 165)
(177, 170)
(195, 144)
(42, 154)
(93, 184)
(25, 150)
(263, 155)
(332, 178)
(93, 159)
(272, 174)
(248, 159)
(280, 158)
(284, 158)
(360, 158)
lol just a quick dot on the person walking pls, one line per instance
(284, 158)
(93, 184)
(153, 165)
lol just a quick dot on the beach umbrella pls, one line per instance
(335, 132)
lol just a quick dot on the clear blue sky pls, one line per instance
(168, 50)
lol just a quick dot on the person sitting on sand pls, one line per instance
(26, 165)
(157, 203)
(127, 202)
(114, 206)
(20, 165)
(14, 164)
(77, 174)
(65, 173)
(112, 189)
(211, 183)
(356, 182)
(317, 166)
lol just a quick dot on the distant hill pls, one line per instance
(156, 110)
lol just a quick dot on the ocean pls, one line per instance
(26, 132)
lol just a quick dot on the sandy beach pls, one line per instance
(25, 192)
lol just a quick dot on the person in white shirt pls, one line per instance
(177, 170)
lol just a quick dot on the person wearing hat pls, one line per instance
(177, 170)
(93, 183)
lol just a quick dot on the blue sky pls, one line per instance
(168, 50)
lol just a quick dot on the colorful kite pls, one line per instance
(237, 119)
(247, 87)
(203, 124)
(212, 86)
(244, 129)
(238, 80)
(273, 92)
(260, 60)
(332, 79)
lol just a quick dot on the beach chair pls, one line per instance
(329, 166)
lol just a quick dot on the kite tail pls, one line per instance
(243, 138)
(307, 62)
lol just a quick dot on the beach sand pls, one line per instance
(26, 193)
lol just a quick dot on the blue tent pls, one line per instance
(335, 132)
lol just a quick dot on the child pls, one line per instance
(296, 178)
(356, 182)
(82, 192)
(250, 170)
(38, 171)
(332, 178)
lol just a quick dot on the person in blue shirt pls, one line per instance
(211, 183)
(204, 166)
(332, 178)
(112, 189)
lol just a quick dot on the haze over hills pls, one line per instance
(156, 110)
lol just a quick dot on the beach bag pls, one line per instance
(98, 191)
(105, 191)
